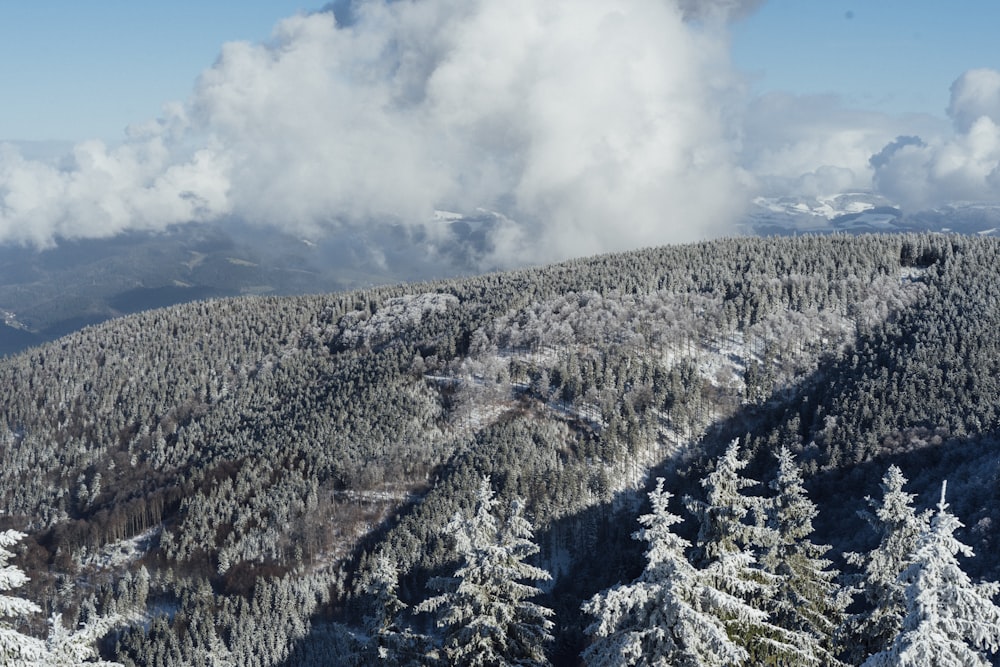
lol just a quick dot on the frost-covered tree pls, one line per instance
(61, 648)
(15, 648)
(485, 608)
(730, 531)
(669, 615)
(808, 600)
(71, 649)
(725, 516)
(899, 527)
(949, 619)
(387, 641)
(381, 585)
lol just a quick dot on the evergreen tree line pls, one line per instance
(275, 448)
(752, 589)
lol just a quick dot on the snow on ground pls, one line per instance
(118, 555)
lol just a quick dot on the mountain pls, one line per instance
(242, 460)
(864, 212)
(50, 292)
(47, 293)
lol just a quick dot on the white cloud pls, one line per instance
(962, 167)
(727, 10)
(97, 191)
(973, 95)
(593, 125)
(589, 125)
(812, 145)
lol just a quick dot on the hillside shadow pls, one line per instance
(595, 551)
(593, 548)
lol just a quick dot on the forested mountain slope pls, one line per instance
(232, 466)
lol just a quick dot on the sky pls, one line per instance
(584, 125)
(893, 56)
(86, 70)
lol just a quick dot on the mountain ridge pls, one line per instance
(249, 441)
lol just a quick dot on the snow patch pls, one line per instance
(118, 555)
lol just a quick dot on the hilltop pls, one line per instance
(251, 453)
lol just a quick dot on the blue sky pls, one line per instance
(74, 70)
(895, 56)
(587, 125)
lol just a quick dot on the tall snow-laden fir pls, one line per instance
(485, 609)
(899, 527)
(65, 648)
(670, 615)
(808, 600)
(729, 521)
(15, 648)
(731, 529)
(387, 642)
(950, 620)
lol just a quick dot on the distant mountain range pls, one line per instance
(861, 212)
(45, 294)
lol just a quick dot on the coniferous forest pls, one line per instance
(753, 451)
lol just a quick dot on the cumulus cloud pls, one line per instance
(962, 167)
(813, 145)
(974, 95)
(884, 156)
(726, 10)
(590, 125)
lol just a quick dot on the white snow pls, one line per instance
(117, 555)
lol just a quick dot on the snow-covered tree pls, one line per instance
(725, 516)
(949, 619)
(72, 649)
(899, 527)
(61, 648)
(669, 615)
(730, 532)
(485, 608)
(15, 648)
(387, 641)
(808, 600)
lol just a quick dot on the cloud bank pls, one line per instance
(964, 166)
(585, 125)
(590, 125)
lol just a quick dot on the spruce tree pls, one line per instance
(724, 517)
(730, 531)
(899, 527)
(808, 600)
(64, 648)
(669, 615)
(387, 641)
(15, 648)
(485, 609)
(949, 619)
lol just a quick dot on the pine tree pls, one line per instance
(723, 516)
(949, 620)
(387, 641)
(668, 616)
(808, 599)
(899, 527)
(15, 648)
(485, 609)
(71, 649)
(727, 541)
